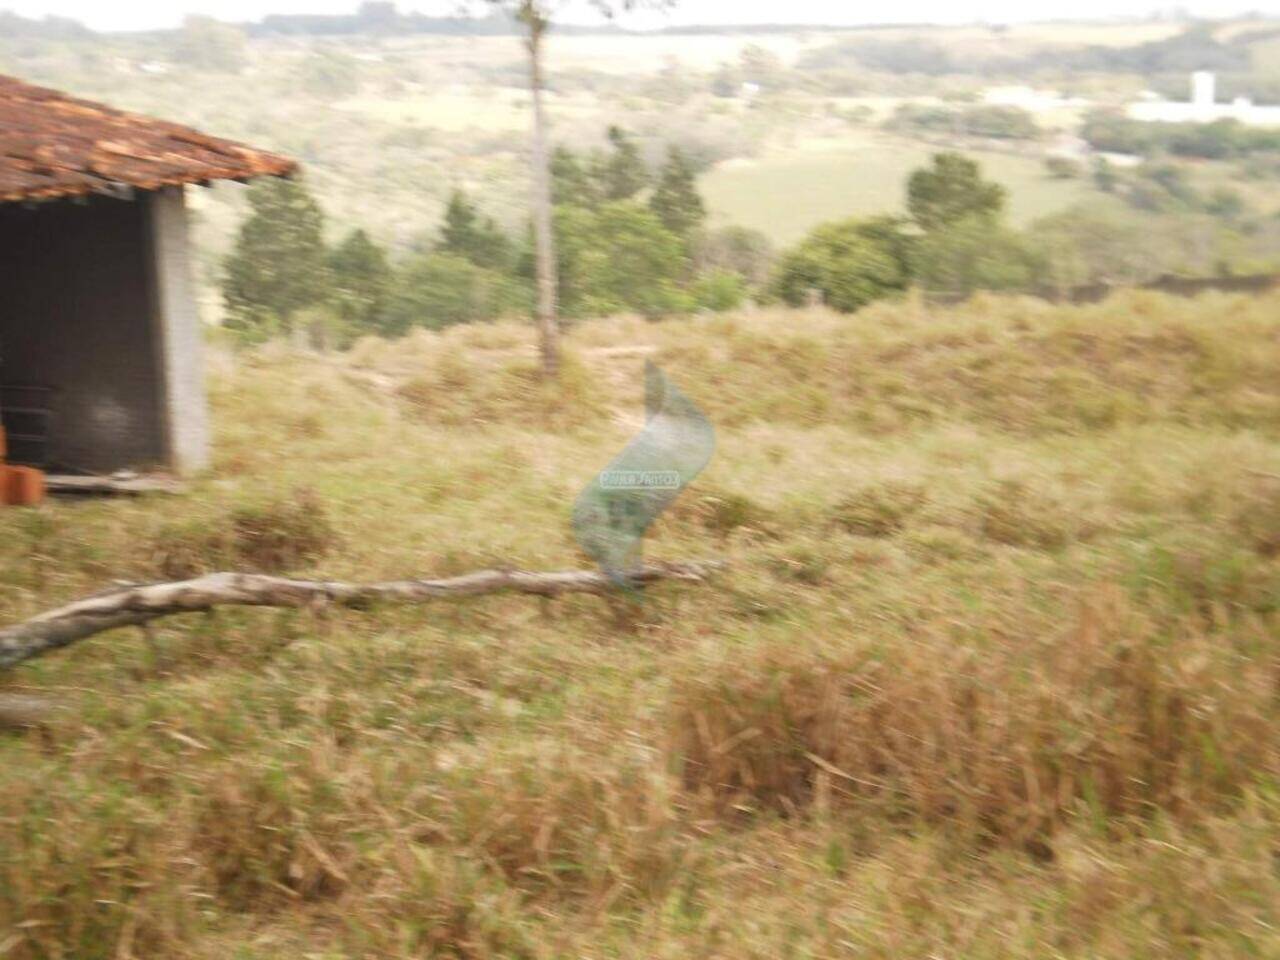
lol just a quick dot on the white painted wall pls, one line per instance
(177, 327)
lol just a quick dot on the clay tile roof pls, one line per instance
(53, 145)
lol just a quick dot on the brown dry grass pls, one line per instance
(1112, 717)
(994, 673)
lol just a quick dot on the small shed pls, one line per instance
(100, 344)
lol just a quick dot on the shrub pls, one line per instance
(441, 289)
(976, 253)
(719, 291)
(980, 120)
(849, 264)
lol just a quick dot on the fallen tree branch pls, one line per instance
(133, 605)
(18, 711)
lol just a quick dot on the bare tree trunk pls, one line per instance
(543, 236)
(132, 605)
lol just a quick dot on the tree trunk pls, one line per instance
(543, 237)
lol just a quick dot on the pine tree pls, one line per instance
(469, 235)
(459, 222)
(675, 199)
(952, 190)
(571, 180)
(279, 265)
(622, 173)
(361, 277)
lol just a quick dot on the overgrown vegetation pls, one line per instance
(993, 669)
(1219, 140)
(617, 251)
(992, 672)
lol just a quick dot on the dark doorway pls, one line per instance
(80, 371)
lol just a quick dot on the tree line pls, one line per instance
(1195, 48)
(628, 239)
(954, 238)
(1224, 139)
(632, 239)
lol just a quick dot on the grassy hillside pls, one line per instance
(993, 673)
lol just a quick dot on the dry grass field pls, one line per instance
(993, 672)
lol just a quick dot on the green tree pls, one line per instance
(571, 180)
(719, 291)
(849, 264)
(892, 235)
(675, 199)
(975, 253)
(1113, 132)
(469, 235)
(279, 264)
(436, 290)
(619, 258)
(999, 123)
(361, 278)
(951, 190)
(995, 122)
(622, 172)
(1104, 242)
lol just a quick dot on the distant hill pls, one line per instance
(13, 27)
(379, 18)
(384, 18)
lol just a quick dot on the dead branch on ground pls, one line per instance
(135, 605)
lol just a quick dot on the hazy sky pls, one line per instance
(140, 14)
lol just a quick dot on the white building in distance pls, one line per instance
(1203, 107)
(1030, 99)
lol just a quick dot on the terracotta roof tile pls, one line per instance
(53, 145)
